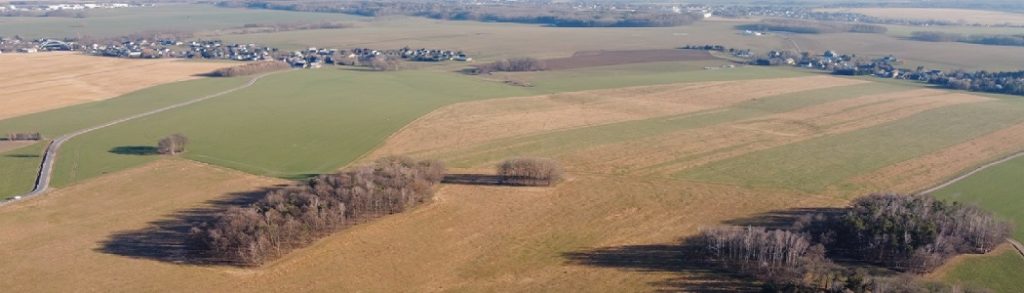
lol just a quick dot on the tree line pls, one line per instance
(250, 68)
(981, 39)
(511, 65)
(812, 27)
(172, 145)
(292, 217)
(906, 233)
(530, 171)
(24, 136)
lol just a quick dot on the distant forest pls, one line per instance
(998, 40)
(812, 27)
(551, 14)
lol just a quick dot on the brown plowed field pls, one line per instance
(42, 81)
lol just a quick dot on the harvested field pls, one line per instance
(56, 242)
(672, 153)
(605, 58)
(43, 81)
(469, 124)
(11, 145)
(472, 238)
(926, 171)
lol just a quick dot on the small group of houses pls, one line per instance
(316, 57)
(170, 48)
(8, 45)
(44, 6)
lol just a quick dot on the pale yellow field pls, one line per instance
(469, 124)
(968, 16)
(42, 81)
(472, 238)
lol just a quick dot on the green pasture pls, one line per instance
(299, 123)
(18, 169)
(999, 188)
(999, 272)
(815, 164)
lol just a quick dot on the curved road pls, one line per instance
(46, 168)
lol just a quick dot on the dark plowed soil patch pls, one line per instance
(604, 58)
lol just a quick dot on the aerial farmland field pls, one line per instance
(652, 147)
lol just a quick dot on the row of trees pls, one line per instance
(511, 65)
(294, 216)
(1008, 82)
(530, 171)
(24, 136)
(812, 27)
(999, 40)
(905, 233)
(251, 68)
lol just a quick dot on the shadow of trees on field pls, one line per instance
(167, 239)
(21, 156)
(135, 150)
(691, 272)
(473, 179)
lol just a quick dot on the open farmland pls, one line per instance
(968, 16)
(605, 58)
(612, 226)
(173, 17)
(38, 82)
(329, 110)
(999, 271)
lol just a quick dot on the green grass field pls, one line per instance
(1000, 272)
(18, 169)
(295, 124)
(176, 17)
(827, 161)
(998, 189)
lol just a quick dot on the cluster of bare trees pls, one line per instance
(291, 217)
(908, 233)
(512, 65)
(787, 261)
(913, 234)
(24, 136)
(530, 171)
(251, 68)
(172, 145)
(983, 39)
(775, 256)
(254, 28)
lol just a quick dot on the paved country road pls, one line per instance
(50, 156)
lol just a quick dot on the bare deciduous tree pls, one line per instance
(172, 145)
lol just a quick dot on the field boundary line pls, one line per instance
(1016, 245)
(969, 173)
(42, 183)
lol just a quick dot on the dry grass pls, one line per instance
(469, 124)
(11, 145)
(43, 81)
(934, 168)
(473, 238)
(948, 14)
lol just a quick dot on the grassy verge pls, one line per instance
(18, 169)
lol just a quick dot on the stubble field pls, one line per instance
(44, 81)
